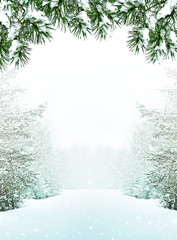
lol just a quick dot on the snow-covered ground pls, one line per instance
(89, 215)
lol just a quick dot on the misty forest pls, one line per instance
(88, 128)
(32, 167)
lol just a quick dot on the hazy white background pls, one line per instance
(92, 87)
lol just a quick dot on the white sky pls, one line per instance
(91, 86)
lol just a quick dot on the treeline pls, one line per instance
(96, 168)
(153, 156)
(26, 154)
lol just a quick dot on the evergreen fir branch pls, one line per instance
(35, 31)
(79, 27)
(4, 48)
(131, 13)
(21, 55)
(136, 41)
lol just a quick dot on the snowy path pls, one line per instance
(89, 215)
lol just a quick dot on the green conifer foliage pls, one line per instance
(25, 22)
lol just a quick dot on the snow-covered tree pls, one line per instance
(16, 177)
(162, 151)
(48, 164)
(22, 22)
(18, 152)
(136, 182)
